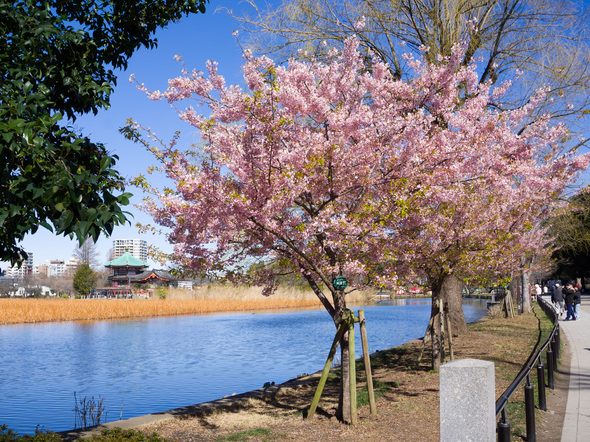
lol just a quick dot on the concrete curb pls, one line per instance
(191, 410)
(204, 407)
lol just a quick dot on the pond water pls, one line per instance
(143, 366)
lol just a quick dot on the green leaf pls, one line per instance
(60, 60)
(105, 162)
(124, 199)
(46, 225)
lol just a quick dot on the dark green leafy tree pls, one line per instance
(571, 231)
(58, 60)
(84, 280)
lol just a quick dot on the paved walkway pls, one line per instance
(576, 425)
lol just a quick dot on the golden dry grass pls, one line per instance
(207, 299)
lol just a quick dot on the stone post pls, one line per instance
(467, 401)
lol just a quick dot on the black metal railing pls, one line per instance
(551, 348)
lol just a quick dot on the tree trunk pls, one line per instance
(451, 292)
(514, 292)
(526, 292)
(336, 310)
(343, 412)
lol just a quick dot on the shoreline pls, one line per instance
(285, 382)
(226, 403)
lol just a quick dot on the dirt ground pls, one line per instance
(407, 410)
(550, 424)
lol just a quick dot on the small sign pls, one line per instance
(340, 283)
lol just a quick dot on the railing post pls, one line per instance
(529, 404)
(550, 379)
(555, 352)
(541, 382)
(557, 349)
(504, 427)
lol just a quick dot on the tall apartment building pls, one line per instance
(25, 270)
(137, 248)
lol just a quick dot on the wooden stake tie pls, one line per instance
(347, 324)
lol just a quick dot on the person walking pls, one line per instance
(569, 292)
(577, 302)
(557, 299)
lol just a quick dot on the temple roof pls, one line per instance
(154, 274)
(126, 260)
(144, 276)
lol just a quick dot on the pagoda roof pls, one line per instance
(126, 260)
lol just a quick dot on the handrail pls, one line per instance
(502, 401)
(527, 367)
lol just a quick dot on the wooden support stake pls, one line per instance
(367, 359)
(352, 370)
(449, 333)
(508, 306)
(426, 334)
(318, 393)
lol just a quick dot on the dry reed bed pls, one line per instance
(202, 301)
(13, 311)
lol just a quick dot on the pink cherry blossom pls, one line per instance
(327, 169)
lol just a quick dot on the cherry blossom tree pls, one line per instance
(284, 177)
(327, 169)
(485, 178)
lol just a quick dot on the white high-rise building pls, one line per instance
(137, 248)
(58, 268)
(54, 268)
(25, 269)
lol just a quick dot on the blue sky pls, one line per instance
(197, 38)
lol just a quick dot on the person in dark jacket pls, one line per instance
(557, 299)
(569, 293)
(577, 302)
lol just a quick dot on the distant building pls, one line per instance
(125, 269)
(72, 265)
(26, 269)
(57, 268)
(185, 284)
(136, 247)
(128, 271)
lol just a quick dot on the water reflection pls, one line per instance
(150, 365)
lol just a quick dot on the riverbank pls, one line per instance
(203, 300)
(407, 404)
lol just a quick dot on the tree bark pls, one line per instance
(451, 292)
(516, 292)
(526, 290)
(343, 412)
(336, 311)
